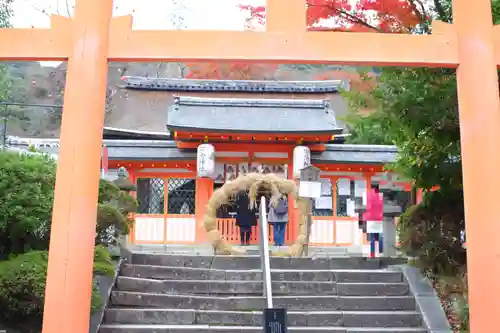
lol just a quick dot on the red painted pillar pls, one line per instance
(204, 190)
(69, 276)
(479, 110)
(293, 211)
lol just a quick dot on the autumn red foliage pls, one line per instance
(236, 70)
(231, 71)
(389, 16)
(365, 15)
(355, 16)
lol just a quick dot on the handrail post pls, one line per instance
(264, 253)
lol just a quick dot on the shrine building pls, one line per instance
(247, 126)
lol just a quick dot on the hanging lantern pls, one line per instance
(301, 159)
(205, 160)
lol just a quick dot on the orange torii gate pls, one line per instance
(93, 37)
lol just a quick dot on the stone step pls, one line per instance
(254, 262)
(209, 302)
(255, 287)
(121, 328)
(190, 273)
(255, 318)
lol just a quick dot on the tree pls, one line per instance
(358, 16)
(114, 209)
(389, 16)
(415, 109)
(26, 198)
(366, 15)
(236, 70)
(231, 71)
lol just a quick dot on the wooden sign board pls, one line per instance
(310, 174)
(310, 185)
(275, 321)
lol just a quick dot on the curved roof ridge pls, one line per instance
(248, 102)
(183, 84)
(361, 147)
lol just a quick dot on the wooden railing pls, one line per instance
(230, 231)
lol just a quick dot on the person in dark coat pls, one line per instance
(245, 217)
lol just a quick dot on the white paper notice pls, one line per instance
(323, 203)
(310, 189)
(344, 186)
(360, 190)
(351, 211)
(359, 187)
(326, 187)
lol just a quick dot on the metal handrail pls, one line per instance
(264, 254)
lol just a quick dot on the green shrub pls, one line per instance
(103, 264)
(26, 197)
(115, 206)
(22, 290)
(431, 231)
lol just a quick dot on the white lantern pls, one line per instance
(301, 159)
(205, 161)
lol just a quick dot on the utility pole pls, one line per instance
(4, 130)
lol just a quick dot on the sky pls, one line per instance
(148, 14)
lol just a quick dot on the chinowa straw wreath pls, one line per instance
(255, 183)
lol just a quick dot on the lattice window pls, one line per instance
(181, 196)
(151, 196)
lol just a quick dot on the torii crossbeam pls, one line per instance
(93, 37)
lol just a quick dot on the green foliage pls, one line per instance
(26, 196)
(22, 291)
(103, 264)
(495, 9)
(115, 206)
(431, 231)
(415, 109)
(27, 193)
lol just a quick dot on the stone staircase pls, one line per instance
(161, 293)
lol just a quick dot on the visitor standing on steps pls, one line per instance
(245, 217)
(374, 217)
(278, 218)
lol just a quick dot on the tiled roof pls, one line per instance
(348, 153)
(234, 115)
(168, 84)
(143, 150)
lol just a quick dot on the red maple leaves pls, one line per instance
(354, 15)
(231, 71)
(365, 15)
(237, 70)
(389, 16)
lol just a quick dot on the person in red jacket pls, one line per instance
(374, 216)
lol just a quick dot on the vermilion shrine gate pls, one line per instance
(93, 37)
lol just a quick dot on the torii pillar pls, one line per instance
(479, 107)
(71, 254)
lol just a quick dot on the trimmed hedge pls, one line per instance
(22, 287)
